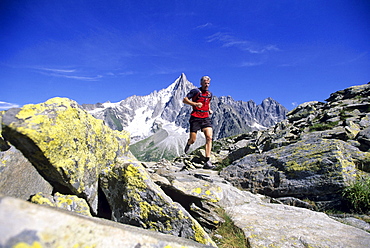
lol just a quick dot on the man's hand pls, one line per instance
(191, 103)
(198, 104)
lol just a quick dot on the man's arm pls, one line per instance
(191, 103)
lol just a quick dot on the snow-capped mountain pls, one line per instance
(143, 116)
(158, 122)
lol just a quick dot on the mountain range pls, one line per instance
(158, 122)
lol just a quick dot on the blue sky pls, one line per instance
(95, 51)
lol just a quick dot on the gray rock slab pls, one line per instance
(276, 225)
(24, 223)
(18, 177)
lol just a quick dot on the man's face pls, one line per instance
(205, 84)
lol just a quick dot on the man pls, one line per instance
(200, 100)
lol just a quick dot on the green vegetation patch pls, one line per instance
(293, 166)
(324, 126)
(228, 235)
(358, 195)
(116, 122)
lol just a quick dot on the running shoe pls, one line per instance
(208, 165)
(187, 148)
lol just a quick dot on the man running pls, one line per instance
(200, 100)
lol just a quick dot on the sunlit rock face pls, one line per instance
(67, 146)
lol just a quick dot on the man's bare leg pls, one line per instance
(191, 140)
(208, 133)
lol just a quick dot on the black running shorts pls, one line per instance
(197, 124)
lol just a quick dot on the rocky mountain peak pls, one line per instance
(181, 82)
(177, 92)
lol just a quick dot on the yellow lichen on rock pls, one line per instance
(135, 199)
(136, 177)
(25, 245)
(197, 190)
(68, 145)
(207, 192)
(67, 134)
(67, 202)
(200, 236)
(42, 200)
(147, 208)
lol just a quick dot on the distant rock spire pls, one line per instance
(181, 82)
(183, 77)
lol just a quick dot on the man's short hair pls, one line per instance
(204, 78)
